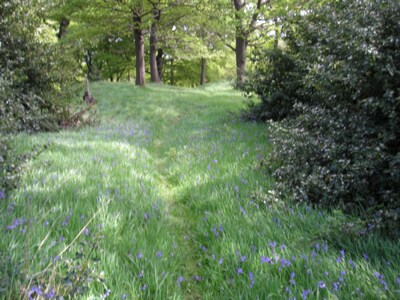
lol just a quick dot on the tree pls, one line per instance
(247, 16)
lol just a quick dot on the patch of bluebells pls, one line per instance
(34, 292)
(381, 280)
(16, 223)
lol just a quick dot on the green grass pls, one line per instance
(166, 200)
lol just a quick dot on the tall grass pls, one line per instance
(166, 200)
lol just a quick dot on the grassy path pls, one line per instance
(165, 200)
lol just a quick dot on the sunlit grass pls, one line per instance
(165, 199)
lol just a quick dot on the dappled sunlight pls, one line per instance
(174, 201)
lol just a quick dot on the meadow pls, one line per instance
(167, 198)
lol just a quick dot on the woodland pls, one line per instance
(199, 149)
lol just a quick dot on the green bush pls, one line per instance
(339, 84)
(35, 85)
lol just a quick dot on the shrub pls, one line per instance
(340, 139)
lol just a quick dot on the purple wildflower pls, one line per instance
(213, 257)
(34, 292)
(313, 254)
(144, 287)
(284, 262)
(50, 294)
(251, 279)
(283, 247)
(292, 281)
(139, 255)
(339, 259)
(243, 258)
(86, 231)
(321, 285)
(159, 254)
(365, 255)
(2, 193)
(305, 293)
(378, 275)
(239, 271)
(398, 280)
(342, 253)
(272, 244)
(336, 285)
(383, 282)
(325, 246)
(266, 260)
(242, 210)
(179, 281)
(221, 260)
(351, 263)
(106, 294)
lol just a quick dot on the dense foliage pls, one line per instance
(35, 82)
(336, 85)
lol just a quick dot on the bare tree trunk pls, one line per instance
(64, 23)
(139, 49)
(241, 55)
(153, 46)
(203, 71)
(159, 59)
(153, 54)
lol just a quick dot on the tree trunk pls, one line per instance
(64, 23)
(172, 79)
(153, 45)
(241, 53)
(159, 58)
(203, 71)
(139, 49)
(241, 43)
(153, 54)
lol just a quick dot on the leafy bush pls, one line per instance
(339, 81)
(35, 85)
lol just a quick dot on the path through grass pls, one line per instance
(165, 200)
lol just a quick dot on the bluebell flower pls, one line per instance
(139, 255)
(50, 294)
(336, 285)
(239, 271)
(179, 281)
(266, 260)
(352, 263)
(106, 294)
(159, 254)
(34, 292)
(321, 285)
(251, 279)
(243, 258)
(305, 293)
